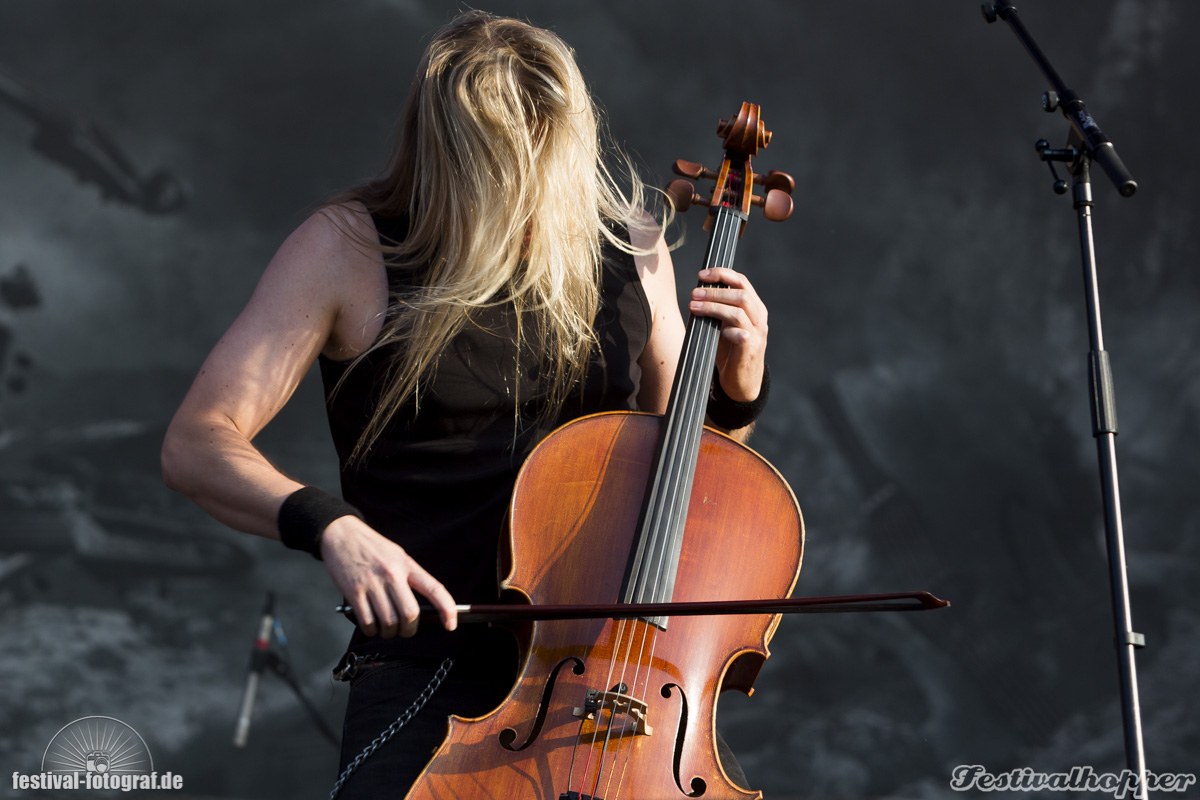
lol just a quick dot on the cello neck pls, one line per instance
(651, 577)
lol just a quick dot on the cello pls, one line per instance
(646, 513)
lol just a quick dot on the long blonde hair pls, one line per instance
(499, 172)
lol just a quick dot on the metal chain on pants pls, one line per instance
(394, 728)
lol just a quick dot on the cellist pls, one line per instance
(495, 281)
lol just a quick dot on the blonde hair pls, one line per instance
(499, 172)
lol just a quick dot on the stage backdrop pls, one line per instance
(928, 345)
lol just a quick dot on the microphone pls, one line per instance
(258, 660)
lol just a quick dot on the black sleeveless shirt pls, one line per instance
(438, 480)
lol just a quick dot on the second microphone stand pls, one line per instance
(1086, 143)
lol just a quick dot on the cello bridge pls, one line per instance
(617, 704)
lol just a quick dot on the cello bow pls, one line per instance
(826, 604)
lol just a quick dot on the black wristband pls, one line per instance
(306, 513)
(730, 414)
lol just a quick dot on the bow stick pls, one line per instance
(832, 604)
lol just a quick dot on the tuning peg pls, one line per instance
(683, 194)
(776, 207)
(693, 170)
(776, 180)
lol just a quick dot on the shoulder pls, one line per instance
(333, 240)
(653, 260)
(333, 260)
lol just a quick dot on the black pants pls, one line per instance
(381, 692)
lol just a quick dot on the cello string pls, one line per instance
(656, 528)
(699, 353)
(679, 456)
(685, 421)
(685, 409)
(575, 752)
(688, 408)
(612, 662)
(686, 427)
(649, 573)
(659, 529)
(628, 745)
(683, 418)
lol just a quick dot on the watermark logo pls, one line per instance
(975, 777)
(98, 746)
(97, 753)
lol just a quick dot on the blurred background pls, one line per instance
(928, 344)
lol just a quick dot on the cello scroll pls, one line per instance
(735, 180)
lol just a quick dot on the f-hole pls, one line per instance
(509, 735)
(697, 784)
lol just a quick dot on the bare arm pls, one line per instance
(316, 296)
(247, 378)
(661, 356)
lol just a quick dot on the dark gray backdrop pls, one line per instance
(927, 340)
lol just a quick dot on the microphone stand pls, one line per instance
(1086, 143)
(264, 658)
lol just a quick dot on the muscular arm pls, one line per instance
(247, 379)
(320, 293)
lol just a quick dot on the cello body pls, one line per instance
(574, 519)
